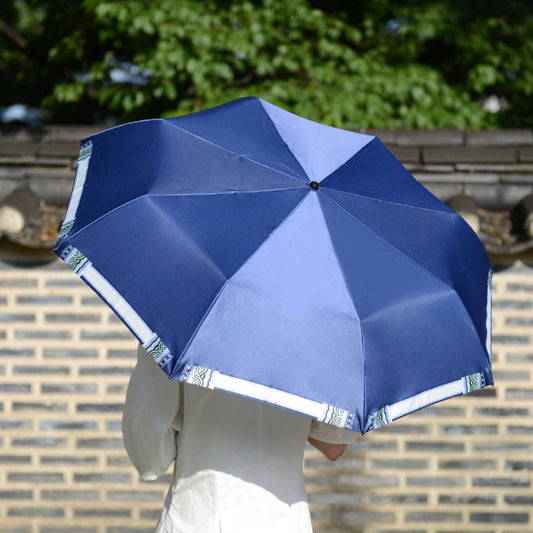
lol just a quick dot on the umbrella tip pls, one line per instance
(314, 185)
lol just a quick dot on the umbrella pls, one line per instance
(254, 251)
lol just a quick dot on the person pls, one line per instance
(238, 462)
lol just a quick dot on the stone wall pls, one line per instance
(463, 465)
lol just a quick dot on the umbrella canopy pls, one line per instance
(254, 251)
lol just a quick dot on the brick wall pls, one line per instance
(463, 465)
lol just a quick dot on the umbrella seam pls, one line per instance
(148, 195)
(388, 202)
(420, 267)
(196, 136)
(356, 313)
(216, 298)
(283, 140)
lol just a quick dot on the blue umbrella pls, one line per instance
(254, 251)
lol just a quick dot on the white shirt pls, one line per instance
(238, 462)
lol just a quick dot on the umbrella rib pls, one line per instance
(145, 195)
(389, 202)
(352, 300)
(252, 161)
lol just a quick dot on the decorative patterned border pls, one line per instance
(86, 151)
(392, 412)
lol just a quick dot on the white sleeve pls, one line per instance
(151, 417)
(332, 434)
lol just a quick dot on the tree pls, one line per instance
(424, 64)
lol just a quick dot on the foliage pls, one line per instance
(373, 63)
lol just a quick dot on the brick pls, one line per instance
(399, 464)
(514, 482)
(73, 318)
(336, 498)
(122, 354)
(113, 426)
(460, 154)
(44, 300)
(500, 518)
(69, 388)
(17, 352)
(406, 154)
(15, 424)
(438, 137)
(100, 443)
(455, 177)
(100, 407)
(16, 495)
(70, 425)
(432, 516)
(105, 335)
(69, 495)
(519, 321)
(105, 371)
(17, 317)
(511, 339)
(68, 529)
(508, 304)
(39, 442)
(59, 148)
(467, 499)
(92, 301)
(519, 430)
(107, 477)
(525, 154)
(346, 480)
(398, 499)
(461, 429)
(42, 334)
(518, 394)
(15, 388)
(360, 517)
(438, 446)
(36, 477)
(429, 481)
(70, 353)
(116, 389)
(15, 459)
(42, 370)
(519, 466)
(68, 460)
(405, 429)
(503, 137)
(519, 500)
(116, 529)
(10, 148)
(41, 512)
(151, 514)
(130, 495)
(71, 281)
(502, 411)
(103, 513)
(519, 358)
(500, 447)
(39, 406)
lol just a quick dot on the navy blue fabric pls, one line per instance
(358, 293)
(229, 127)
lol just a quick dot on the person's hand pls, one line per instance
(331, 451)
